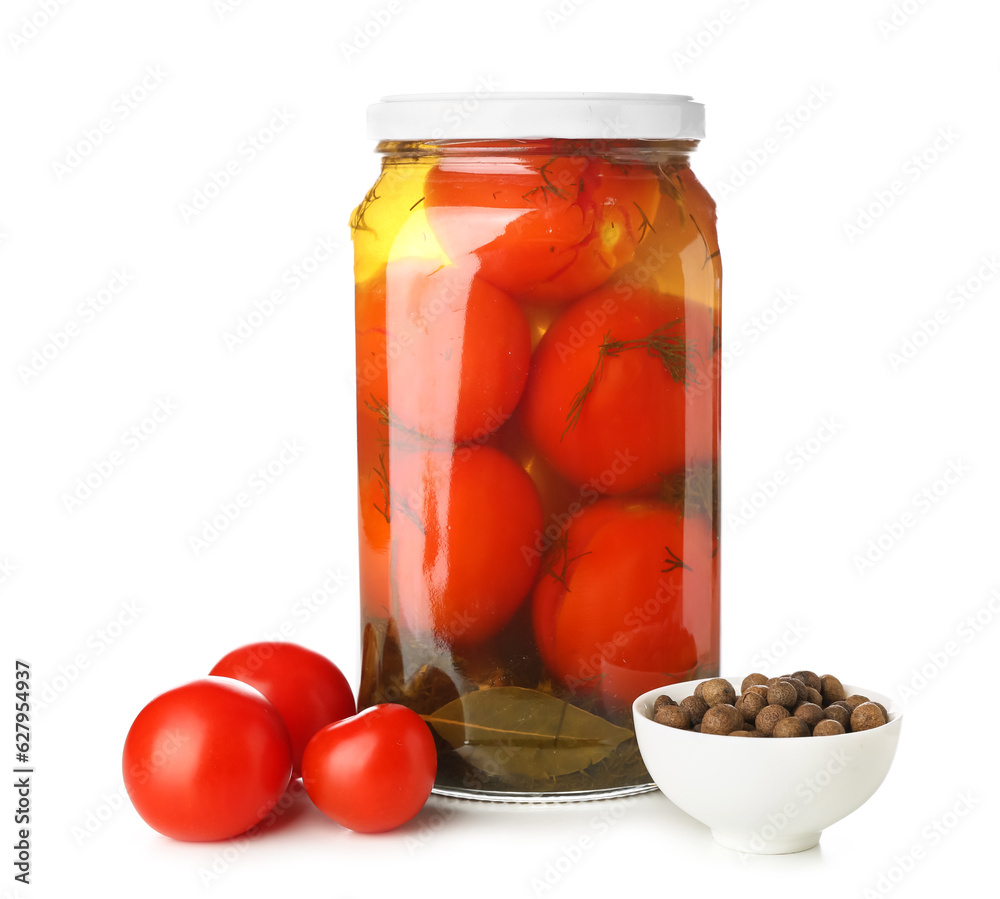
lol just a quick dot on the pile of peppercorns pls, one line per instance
(802, 704)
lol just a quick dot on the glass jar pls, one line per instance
(537, 310)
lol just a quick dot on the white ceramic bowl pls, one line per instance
(759, 795)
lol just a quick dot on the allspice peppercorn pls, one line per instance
(769, 716)
(854, 701)
(696, 707)
(673, 716)
(783, 694)
(832, 689)
(866, 716)
(750, 704)
(661, 701)
(839, 714)
(721, 719)
(790, 727)
(810, 679)
(809, 712)
(752, 679)
(828, 727)
(718, 691)
(800, 688)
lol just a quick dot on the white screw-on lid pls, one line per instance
(487, 115)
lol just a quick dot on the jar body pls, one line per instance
(538, 434)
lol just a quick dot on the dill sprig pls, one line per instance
(559, 558)
(645, 224)
(673, 562)
(358, 216)
(671, 349)
(547, 186)
(392, 499)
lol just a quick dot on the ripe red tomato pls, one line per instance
(625, 601)
(465, 523)
(458, 348)
(206, 761)
(623, 201)
(306, 688)
(372, 772)
(606, 401)
(545, 227)
(526, 205)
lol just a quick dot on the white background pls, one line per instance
(887, 82)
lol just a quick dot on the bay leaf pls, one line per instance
(525, 732)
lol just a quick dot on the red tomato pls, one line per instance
(459, 351)
(206, 761)
(623, 200)
(626, 602)
(372, 772)
(306, 688)
(606, 400)
(465, 523)
(526, 206)
(545, 228)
